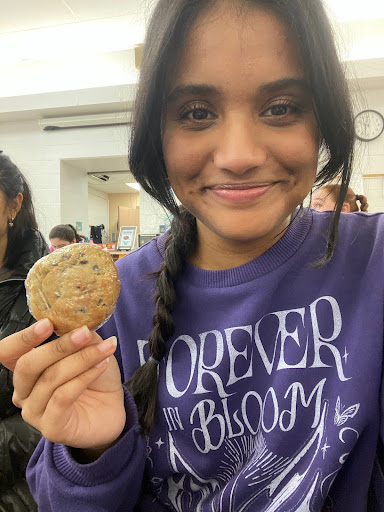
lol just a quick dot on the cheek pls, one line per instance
(299, 154)
(184, 159)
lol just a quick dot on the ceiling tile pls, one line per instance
(87, 10)
(115, 185)
(27, 15)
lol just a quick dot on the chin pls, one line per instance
(243, 233)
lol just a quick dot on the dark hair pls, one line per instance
(171, 21)
(13, 182)
(66, 232)
(351, 198)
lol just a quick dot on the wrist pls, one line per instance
(89, 455)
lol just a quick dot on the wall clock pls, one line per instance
(369, 124)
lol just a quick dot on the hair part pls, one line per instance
(170, 23)
(66, 232)
(12, 183)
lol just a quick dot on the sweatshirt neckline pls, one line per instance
(273, 258)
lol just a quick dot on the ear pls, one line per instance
(346, 208)
(15, 205)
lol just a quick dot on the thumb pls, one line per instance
(16, 345)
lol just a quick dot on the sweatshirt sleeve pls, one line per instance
(112, 483)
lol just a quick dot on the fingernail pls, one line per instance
(104, 362)
(42, 326)
(108, 344)
(80, 335)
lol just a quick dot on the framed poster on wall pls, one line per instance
(127, 237)
(143, 239)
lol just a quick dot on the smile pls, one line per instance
(241, 192)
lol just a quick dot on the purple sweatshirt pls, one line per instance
(269, 394)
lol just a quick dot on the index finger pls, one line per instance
(16, 345)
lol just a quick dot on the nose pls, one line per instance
(240, 146)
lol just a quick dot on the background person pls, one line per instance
(325, 198)
(21, 244)
(64, 234)
(246, 366)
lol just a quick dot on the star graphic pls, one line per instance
(346, 354)
(159, 443)
(325, 448)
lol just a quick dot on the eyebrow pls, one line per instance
(210, 90)
(194, 89)
(284, 83)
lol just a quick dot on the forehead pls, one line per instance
(239, 42)
(322, 194)
(59, 241)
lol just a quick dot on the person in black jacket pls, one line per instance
(21, 244)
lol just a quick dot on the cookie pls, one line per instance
(73, 286)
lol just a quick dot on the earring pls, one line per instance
(10, 223)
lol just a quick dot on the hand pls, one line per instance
(67, 388)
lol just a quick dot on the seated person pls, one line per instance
(62, 235)
(325, 198)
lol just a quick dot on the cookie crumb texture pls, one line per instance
(73, 286)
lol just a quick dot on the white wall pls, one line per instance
(39, 156)
(152, 214)
(370, 156)
(98, 211)
(74, 196)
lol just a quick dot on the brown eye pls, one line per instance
(200, 114)
(279, 110)
(283, 110)
(196, 113)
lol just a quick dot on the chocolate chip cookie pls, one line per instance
(73, 286)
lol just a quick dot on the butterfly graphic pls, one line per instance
(342, 414)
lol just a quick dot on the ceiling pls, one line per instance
(31, 15)
(116, 183)
(115, 167)
(67, 57)
(20, 15)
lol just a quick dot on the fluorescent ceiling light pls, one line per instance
(136, 186)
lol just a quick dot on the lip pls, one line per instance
(241, 192)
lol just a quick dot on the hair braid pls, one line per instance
(143, 383)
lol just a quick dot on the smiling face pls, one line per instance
(240, 140)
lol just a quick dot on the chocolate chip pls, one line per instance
(81, 310)
(84, 262)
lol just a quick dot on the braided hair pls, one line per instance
(179, 246)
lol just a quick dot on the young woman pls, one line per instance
(21, 244)
(251, 341)
(64, 234)
(325, 198)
